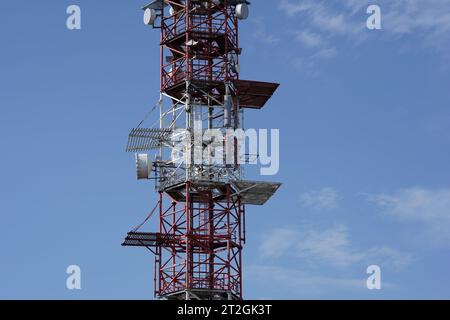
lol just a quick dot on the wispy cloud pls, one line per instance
(302, 284)
(430, 208)
(278, 242)
(314, 27)
(325, 17)
(324, 54)
(331, 246)
(262, 33)
(292, 8)
(326, 198)
(309, 39)
(348, 16)
(428, 20)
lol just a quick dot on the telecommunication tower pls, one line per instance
(202, 205)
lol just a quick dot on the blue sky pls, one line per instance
(364, 119)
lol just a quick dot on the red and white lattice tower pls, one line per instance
(201, 207)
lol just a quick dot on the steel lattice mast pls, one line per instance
(201, 207)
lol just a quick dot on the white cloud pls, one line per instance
(428, 20)
(296, 282)
(400, 16)
(318, 24)
(262, 34)
(330, 247)
(390, 256)
(292, 8)
(408, 16)
(279, 241)
(326, 198)
(431, 208)
(324, 17)
(325, 54)
(309, 39)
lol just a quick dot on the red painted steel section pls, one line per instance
(209, 253)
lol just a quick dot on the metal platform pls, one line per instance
(200, 294)
(161, 4)
(251, 192)
(256, 193)
(251, 94)
(254, 94)
(152, 240)
(178, 43)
